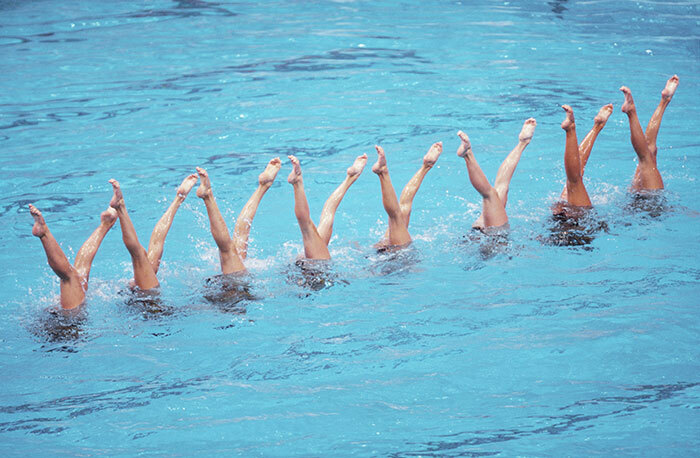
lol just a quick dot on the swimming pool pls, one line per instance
(446, 350)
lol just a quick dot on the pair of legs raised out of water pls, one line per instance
(316, 238)
(646, 176)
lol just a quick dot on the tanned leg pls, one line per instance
(144, 275)
(314, 246)
(242, 229)
(646, 176)
(586, 146)
(398, 226)
(87, 252)
(230, 261)
(493, 210)
(160, 231)
(325, 225)
(576, 191)
(72, 291)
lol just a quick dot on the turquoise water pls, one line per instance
(453, 348)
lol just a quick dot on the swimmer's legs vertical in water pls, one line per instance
(576, 191)
(586, 145)
(646, 176)
(314, 246)
(325, 225)
(493, 210)
(144, 275)
(160, 231)
(241, 231)
(398, 225)
(72, 291)
(74, 280)
(507, 168)
(228, 256)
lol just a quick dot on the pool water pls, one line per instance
(459, 346)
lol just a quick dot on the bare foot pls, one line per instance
(629, 101)
(117, 201)
(108, 217)
(204, 189)
(380, 167)
(466, 146)
(358, 166)
(432, 155)
(568, 123)
(270, 173)
(603, 114)
(528, 130)
(186, 185)
(295, 175)
(670, 88)
(39, 229)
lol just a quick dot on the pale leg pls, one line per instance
(144, 275)
(646, 175)
(245, 218)
(655, 122)
(72, 291)
(325, 225)
(87, 252)
(314, 246)
(398, 226)
(493, 210)
(230, 261)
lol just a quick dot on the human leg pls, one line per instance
(160, 231)
(493, 210)
(586, 145)
(576, 191)
(87, 252)
(398, 226)
(646, 175)
(314, 246)
(241, 231)
(144, 275)
(325, 225)
(72, 290)
(409, 191)
(655, 122)
(229, 258)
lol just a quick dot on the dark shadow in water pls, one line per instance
(558, 7)
(229, 292)
(313, 274)
(573, 226)
(575, 417)
(491, 241)
(147, 303)
(648, 204)
(57, 325)
(391, 260)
